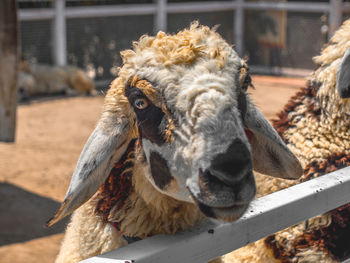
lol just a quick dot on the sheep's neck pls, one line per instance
(130, 200)
(113, 194)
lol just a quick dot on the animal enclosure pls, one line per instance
(265, 216)
(41, 152)
(78, 30)
(304, 107)
(213, 232)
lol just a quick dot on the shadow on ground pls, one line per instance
(23, 215)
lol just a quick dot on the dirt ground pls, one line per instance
(35, 171)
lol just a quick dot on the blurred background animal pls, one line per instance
(41, 79)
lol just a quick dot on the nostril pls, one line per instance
(232, 165)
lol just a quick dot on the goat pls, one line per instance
(177, 141)
(315, 125)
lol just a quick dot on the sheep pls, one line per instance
(177, 141)
(39, 79)
(315, 126)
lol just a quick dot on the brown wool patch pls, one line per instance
(332, 240)
(333, 162)
(305, 96)
(118, 186)
(168, 133)
(279, 251)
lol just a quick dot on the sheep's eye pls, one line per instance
(141, 103)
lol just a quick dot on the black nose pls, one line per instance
(232, 165)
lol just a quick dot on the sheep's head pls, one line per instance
(183, 97)
(343, 76)
(332, 78)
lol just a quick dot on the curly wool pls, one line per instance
(315, 123)
(200, 79)
(162, 54)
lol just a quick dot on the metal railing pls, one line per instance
(264, 216)
(161, 8)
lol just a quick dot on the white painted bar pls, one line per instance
(35, 14)
(113, 10)
(89, 11)
(265, 216)
(189, 7)
(335, 16)
(198, 7)
(313, 7)
(238, 26)
(186, 7)
(161, 16)
(59, 34)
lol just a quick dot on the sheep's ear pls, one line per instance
(105, 146)
(270, 154)
(343, 76)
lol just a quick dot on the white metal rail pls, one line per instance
(161, 8)
(184, 7)
(265, 216)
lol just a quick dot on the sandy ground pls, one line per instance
(35, 171)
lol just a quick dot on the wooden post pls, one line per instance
(8, 69)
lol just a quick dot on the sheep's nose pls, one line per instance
(233, 165)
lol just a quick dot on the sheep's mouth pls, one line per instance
(222, 200)
(227, 214)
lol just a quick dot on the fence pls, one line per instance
(162, 11)
(265, 216)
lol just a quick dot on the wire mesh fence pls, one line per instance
(284, 39)
(36, 42)
(94, 44)
(273, 39)
(223, 19)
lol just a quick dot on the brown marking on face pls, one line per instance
(333, 239)
(168, 133)
(245, 80)
(150, 117)
(306, 96)
(152, 95)
(160, 171)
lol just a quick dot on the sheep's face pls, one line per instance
(184, 98)
(193, 139)
(332, 79)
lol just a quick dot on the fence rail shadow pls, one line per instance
(23, 215)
